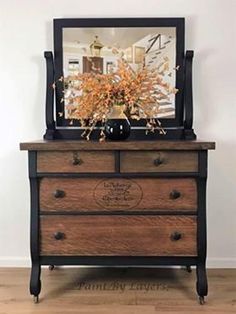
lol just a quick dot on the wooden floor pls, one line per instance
(109, 290)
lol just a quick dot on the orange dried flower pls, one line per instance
(96, 94)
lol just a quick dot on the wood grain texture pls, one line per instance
(100, 290)
(158, 161)
(125, 145)
(88, 161)
(118, 235)
(91, 194)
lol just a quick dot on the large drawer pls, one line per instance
(110, 194)
(76, 161)
(118, 235)
(158, 161)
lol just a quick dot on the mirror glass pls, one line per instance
(98, 50)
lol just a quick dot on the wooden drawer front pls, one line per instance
(118, 235)
(158, 161)
(76, 161)
(87, 194)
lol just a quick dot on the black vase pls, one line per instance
(117, 127)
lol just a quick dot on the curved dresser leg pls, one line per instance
(202, 286)
(35, 282)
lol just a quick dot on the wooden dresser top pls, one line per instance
(107, 145)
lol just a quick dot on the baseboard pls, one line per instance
(15, 261)
(216, 262)
(221, 262)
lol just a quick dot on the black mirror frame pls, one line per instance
(179, 127)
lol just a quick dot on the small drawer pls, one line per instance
(118, 235)
(158, 161)
(118, 194)
(76, 161)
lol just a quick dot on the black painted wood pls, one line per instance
(69, 133)
(201, 285)
(50, 79)
(35, 283)
(117, 260)
(188, 97)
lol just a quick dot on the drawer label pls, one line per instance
(118, 193)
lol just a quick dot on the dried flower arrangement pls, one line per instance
(90, 96)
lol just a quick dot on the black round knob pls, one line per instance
(175, 236)
(175, 194)
(59, 235)
(158, 161)
(59, 194)
(77, 161)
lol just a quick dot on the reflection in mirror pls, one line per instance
(100, 51)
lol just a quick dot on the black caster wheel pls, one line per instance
(189, 269)
(51, 267)
(201, 300)
(36, 299)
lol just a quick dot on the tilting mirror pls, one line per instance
(138, 62)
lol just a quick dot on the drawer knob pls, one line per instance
(59, 235)
(76, 160)
(59, 194)
(175, 236)
(175, 194)
(158, 161)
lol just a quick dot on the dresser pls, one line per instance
(118, 203)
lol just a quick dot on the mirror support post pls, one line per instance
(188, 97)
(50, 79)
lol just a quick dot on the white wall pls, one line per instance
(26, 31)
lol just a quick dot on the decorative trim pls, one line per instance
(212, 262)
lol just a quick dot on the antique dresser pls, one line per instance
(118, 203)
(135, 202)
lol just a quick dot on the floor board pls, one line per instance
(116, 290)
